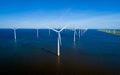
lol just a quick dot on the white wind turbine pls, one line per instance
(79, 33)
(58, 31)
(59, 38)
(83, 31)
(75, 33)
(15, 34)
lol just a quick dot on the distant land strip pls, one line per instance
(111, 31)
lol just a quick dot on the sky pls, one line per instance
(58, 13)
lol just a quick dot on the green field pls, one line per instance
(111, 31)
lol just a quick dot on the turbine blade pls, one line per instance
(53, 29)
(63, 28)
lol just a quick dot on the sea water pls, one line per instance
(95, 52)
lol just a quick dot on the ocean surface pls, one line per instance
(94, 53)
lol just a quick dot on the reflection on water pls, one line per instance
(94, 53)
(58, 60)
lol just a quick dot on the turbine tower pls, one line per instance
(79, 33)
(75, 33)
(59, 38)
(14, 34)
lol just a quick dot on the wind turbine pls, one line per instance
(75, 33)
(83, 31)
(59, 31)
(15, 34)
(79, 33)
(59, 38)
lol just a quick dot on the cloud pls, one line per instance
(42, 19)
